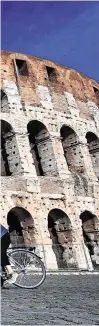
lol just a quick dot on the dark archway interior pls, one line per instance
(86, 215)
(89, 231)
(41, 149)
(90, 136)
(14, 218)
(10, 156)
(3, 95)
(21, 221)
(4, 161)
(66, 131)
(59, 227)
(4, 102)
(34, 129)
(93, 146)
(72, 151)
(5, 129)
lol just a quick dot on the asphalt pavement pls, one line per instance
(60, 300)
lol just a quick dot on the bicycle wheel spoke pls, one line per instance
(31, 271)
(15, 262)
(20, 278)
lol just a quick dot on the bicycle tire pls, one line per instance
(15, 252)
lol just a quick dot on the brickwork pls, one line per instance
(50, 158)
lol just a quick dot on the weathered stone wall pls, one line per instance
(70, 179)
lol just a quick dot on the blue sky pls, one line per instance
(64, 32)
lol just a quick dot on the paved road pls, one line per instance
(61, 300)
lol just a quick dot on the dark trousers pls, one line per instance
(5, 242)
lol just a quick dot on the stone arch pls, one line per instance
(90, 228)
(21, 226)
(10, 160)
(41, 148)
(71, 147)
(4, 102)
(93, 146)
(60, 230)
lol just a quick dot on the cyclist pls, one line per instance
(5, 264)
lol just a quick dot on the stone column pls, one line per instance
(50, 258)
(59, 157)
(46, 154)
(27, 163)
(95, 112)
(13, 155)
(94, 153)
(87, 160)
(81, 252)
(3, 171)
(46, 251)
(14, 99)
(72, 105)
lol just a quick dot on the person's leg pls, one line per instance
(5, 241)
(9, 269)
(11, 276)
(5, 261)
(6, 268)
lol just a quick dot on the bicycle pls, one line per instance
(29, 267)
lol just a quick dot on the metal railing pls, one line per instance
(69, 256)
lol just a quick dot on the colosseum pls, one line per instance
(50, 160)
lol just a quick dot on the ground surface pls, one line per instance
(61, 300)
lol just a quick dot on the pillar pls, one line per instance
(59, 157)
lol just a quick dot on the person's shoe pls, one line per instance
(11, 279)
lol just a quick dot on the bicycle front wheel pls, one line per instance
(29, 267)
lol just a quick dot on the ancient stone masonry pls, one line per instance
(50, 160)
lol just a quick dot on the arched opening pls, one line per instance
(4, 102)
(21, 226)
(41, 149)
(71, 149)
(5, 130)
(90, 228)
(93, 145)
(59, 227)
(10, 161)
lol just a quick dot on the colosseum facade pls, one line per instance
(50, 160)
